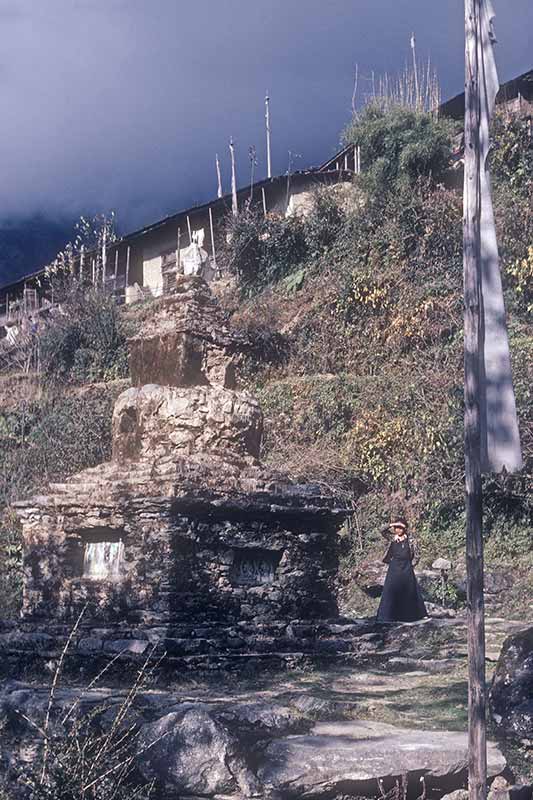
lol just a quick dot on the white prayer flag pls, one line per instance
(500, 440)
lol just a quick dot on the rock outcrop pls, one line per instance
(242, 749)
(349, 758)
(511, 694)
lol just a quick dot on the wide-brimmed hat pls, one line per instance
(399, 522)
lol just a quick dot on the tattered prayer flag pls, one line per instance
(500, 440)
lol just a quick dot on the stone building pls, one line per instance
(184, 523)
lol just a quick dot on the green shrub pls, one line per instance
(263, 250)
(511, 157)
(399, 144)
(10, 564)
(85, 342)
(46, 441)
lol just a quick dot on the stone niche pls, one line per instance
(184, 523)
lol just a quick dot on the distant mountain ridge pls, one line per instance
(28, 243)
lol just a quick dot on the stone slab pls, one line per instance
(346, 756)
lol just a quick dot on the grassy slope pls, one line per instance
(360, 375)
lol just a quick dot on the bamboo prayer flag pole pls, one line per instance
(268, 136)
(128, 256)
(219, 177)
(104, 255)
(477, 745)
(115, 276)
(234, 201)
(212, 229)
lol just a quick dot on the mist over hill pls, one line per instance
(28, 243)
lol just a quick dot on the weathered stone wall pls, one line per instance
(184, 524)
(152, 421)
(181, 564)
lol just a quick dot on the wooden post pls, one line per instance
(178, 252)
(289, 180)
(82, 260)
(415, 72)
(115, 276)
(212, 228)
(128, 254)
(219, 177)
(189, 229)
(253, 161)
(93, 271)
(264, 200)
(234, 201)
(477, 745)
(354, 93)
(268, 137)
(104, 256)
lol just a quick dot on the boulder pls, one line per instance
(370, 577)
(511, 694)
(349, 757)
(250, 722)
(442, 564)
(188, 752)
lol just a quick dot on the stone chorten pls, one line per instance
(184, 524)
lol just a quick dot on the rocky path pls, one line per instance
(321, 733)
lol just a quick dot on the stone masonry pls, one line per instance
(184, 525)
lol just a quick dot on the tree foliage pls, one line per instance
(400, 144)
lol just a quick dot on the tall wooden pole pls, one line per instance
(128, 256)
(212, 229)
(234, 202)
(252, 154)
(115, 276)
(477, 744)
(268, 136)
(415, 72)
(104, 255)
(219, 177)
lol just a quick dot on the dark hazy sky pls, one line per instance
(123, 103)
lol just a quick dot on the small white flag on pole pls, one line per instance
(500, 440)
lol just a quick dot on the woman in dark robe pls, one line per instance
(401, 600)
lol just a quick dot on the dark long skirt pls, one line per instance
(401, 600)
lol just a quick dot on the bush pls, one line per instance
(46, 441)
(85, 342)
(511, 157)
(263, 250)
(11, 564)
(88, 753)
(399, 144)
